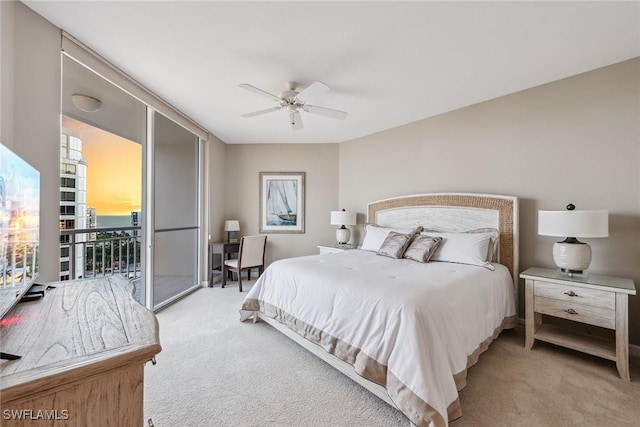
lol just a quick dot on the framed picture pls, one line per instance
(282, 202)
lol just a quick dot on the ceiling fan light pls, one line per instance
(86, 103)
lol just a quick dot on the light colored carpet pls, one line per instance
(216, 371)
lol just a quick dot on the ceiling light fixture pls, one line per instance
(86, 103)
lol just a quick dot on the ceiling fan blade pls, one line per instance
(328, 112)
(260, 92)
(315, 89)
(296, 120)
(259, 112)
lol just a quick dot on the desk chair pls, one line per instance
(251, 255)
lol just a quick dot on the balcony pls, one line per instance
(97, 252)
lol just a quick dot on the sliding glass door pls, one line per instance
(163, 230)
(175, 215)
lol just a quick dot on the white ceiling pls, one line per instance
(387, 63)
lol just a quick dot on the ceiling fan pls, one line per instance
(293, 102)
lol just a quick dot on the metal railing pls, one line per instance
(114, 250)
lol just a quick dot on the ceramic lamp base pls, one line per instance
(343, 235)
(572, 256)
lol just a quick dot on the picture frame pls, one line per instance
(282, 202)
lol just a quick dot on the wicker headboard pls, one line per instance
(455, 212)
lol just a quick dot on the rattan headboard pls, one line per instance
(455, 212)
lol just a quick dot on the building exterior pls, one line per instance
(135, 222)
(73, 201)
(92, 222)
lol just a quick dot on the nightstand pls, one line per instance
(589, 299)
(334, 248)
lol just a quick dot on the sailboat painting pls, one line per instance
(282, 202)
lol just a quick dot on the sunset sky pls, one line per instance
(114, 169)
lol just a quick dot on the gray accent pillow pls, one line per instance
(375, 234)
(422, 248)
(395, 244)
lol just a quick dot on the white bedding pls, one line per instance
(411, 327)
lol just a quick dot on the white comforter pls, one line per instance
(420, 322)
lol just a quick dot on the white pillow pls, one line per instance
(492, 250)
(375, 235)
(463, 248)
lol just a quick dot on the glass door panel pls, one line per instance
(176, 227)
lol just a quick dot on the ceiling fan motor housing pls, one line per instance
(289, 95)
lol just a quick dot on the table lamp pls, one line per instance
(232, 226)
(572, 255)
(342, 218)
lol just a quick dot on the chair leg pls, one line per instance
(239, 280)
(224, 274)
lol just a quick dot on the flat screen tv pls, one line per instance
(19, 228)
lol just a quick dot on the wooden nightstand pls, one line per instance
(591, 299)
(334, 248)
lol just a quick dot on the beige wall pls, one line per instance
(215, 181)
(30, 113)
(575, 140)
(318, 161)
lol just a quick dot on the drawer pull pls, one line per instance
(571, 294)
(571, 311)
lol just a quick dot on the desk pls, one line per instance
(224, 249)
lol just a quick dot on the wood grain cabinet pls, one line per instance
(591, 300)
(83, 348)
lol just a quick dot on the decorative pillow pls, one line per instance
(375, 235)
(422, 248)
(492, 250)
(395, 244)
(463, 248)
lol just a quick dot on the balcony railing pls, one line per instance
(102, 251)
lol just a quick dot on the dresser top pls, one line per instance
(588, 280)
(73, 327)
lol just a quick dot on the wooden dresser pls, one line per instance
(83, 348)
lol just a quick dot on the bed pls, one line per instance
(405, 330)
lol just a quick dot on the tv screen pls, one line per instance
(19, 227)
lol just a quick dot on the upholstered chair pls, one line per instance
(251, 255)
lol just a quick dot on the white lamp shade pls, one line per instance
(586, 223)
(343, 218)
(232, 225)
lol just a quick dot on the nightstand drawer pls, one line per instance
(576, 295)
(597, 316)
